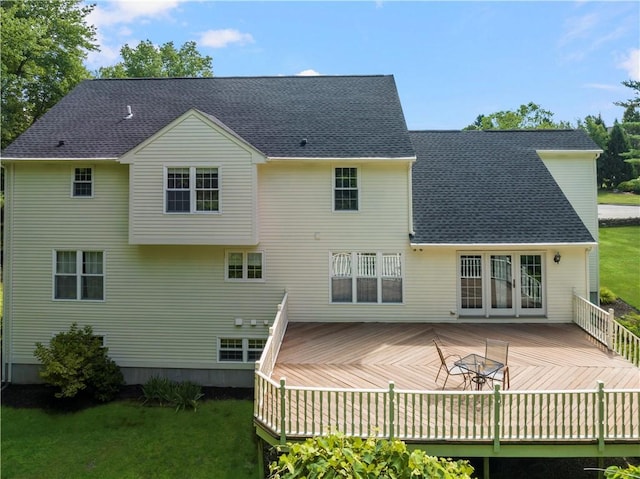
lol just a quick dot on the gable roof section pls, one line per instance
(341, 116)
(491, 187)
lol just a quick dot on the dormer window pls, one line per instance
(82, 183)
(192, 190)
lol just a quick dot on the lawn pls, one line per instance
(620, 262)
(126, 440)
(611, 198)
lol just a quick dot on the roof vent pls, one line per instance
(303, 142)
(60, 143)
(129, 113)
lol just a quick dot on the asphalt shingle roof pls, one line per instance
(491, 187)
(340, 116)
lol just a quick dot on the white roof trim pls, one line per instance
(17, 158)
(502, 245)
(339, 158)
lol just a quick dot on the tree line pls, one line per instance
(44, 46)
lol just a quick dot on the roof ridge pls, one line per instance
(379, 75)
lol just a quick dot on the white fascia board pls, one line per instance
(339, 158)
(591, 154)
(11, 159)
(502, 245)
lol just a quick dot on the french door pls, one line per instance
(501, 284)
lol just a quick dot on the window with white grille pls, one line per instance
(82, 183)
(192, 190)
(366, 277)
(345, 189)
(240, 350)
(78, 275)
(245, 266)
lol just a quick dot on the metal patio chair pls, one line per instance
(498, 350)
(448, 365)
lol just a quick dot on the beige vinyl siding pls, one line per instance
(576, 176)
(193, 142)
(165, 306)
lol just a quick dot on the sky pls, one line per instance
(451, 60)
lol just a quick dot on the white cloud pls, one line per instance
(223, 38)
(631, 63)
(601, 86)
(308, 73)
(128, 11)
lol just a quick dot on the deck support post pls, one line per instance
(392, 410)
(601, 413)
(485, 468)
(283, 405)
(497, 402)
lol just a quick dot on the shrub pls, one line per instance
(607, 296)
(339, 456)
(630, 186)
(181, 395)
(75, 361)
(617, 472)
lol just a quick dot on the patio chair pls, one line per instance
(498, 351)
(450, 368)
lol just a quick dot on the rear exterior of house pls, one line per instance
(175, 233)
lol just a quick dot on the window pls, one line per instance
(79, 275)
(191, 190)
(366, 277)
(82, 183)
(345, 191)
(240, 350)
(501, 284)
(245, 265)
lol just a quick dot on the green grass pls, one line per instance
(620, 262)
(611, 198)
(126, 440)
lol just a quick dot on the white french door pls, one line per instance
(501, 284)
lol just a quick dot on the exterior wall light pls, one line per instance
(557, 257)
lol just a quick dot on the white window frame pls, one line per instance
(519, 277)
(193, 169)
(356, 265)
(245, 265)
(75, 181)
(78, 274)
(358, 188)
(247, 347)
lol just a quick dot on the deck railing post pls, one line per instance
(392, 410)
(601, 415)
(497, 417)
(610, 328)
(283, 415)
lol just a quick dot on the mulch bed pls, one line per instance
(41, 396)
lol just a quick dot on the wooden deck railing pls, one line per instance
(494, 417)
(274, 341)
(602, 326)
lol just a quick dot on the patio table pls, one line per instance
(480, 367)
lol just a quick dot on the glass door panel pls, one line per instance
(502, 284)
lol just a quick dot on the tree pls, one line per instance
(614, 169)
(148, 61)
(43, 48)
(526, 117)
(631, 126)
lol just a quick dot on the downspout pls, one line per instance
(410, 197)
(7, 320)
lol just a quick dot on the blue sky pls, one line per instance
(451, 60)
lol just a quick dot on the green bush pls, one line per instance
(162, 391)
(607, 296)
(75, 361)
(339, 456)
(616, 472)
(630, 186)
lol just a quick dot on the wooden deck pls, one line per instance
(369, 355)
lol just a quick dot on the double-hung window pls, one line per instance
(192, 190)
(82, 186)
(366, 277)
(345, 189)
(240, 350)
(245, 265)
(79, 275)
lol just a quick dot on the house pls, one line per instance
(172, 215)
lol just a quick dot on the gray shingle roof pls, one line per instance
(491, 187)
(340, 116)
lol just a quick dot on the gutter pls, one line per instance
(500, 245)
